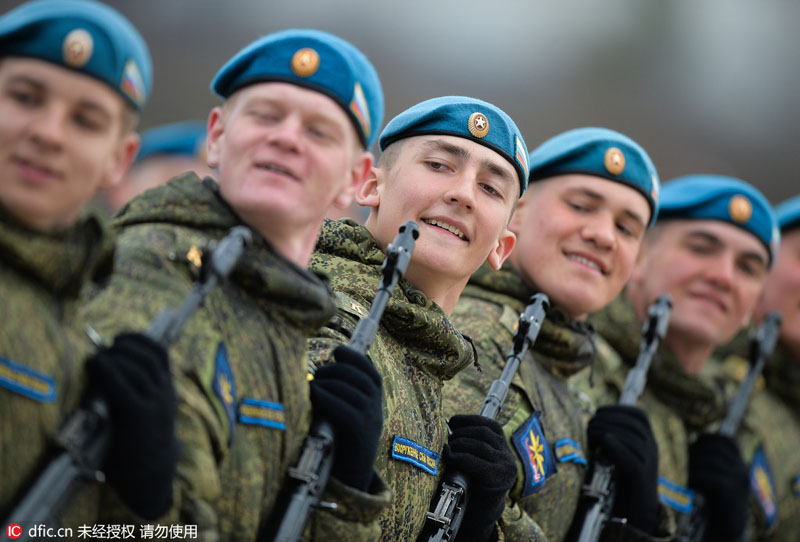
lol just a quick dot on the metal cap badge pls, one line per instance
(740, 209)
(77, 48)
(478, 125)
(305, 62)
(614, 161)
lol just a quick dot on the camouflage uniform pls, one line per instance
(239, 364)
(680, 406)
(774, 417)
(488, 311)
(415, 349)
(42, 352)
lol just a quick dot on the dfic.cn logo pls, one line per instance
(14, 531)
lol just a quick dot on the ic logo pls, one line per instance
(14, 530)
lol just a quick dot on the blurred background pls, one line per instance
(705, 87)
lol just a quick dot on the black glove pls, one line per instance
(621, 435)
(478, 449)
(347, 394)
(716, 470)
(134, 379)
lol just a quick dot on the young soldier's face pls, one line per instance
(714, 272)
(461, 195)
(284, 155)
(61, 138)
(577, 239)
(782, 290)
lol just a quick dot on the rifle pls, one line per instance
(444, 521)
(84, 438)
(310, 476)
(598, 495)
(692, 527)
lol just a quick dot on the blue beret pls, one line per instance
(85, 36)
(315, 60)
(465, 117)
(602, 153)
(715, 197)
(789, 213)
(178, 138)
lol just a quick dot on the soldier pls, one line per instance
(301, 108)
(774, 413)
(593, 193)
(74, 76)
(710, 250)
(166, 151)
(456, 166)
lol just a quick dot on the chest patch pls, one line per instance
(26, 381)
(224, 387)
(534, 453)
(264, 413)
(762, 485)
(567, 450)
(409, 451)
(675, 496)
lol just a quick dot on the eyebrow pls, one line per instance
(599, 197)
(41, 87)
(717, 242)
(463, 154)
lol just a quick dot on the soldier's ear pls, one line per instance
(501, 251)
(214, 133)
(358, 174)
(368, 194)
(121, 159)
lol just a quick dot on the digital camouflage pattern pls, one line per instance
(42, 351)
(416, 348)
(239, 364)
(773, 417)
(680, 406)
(488, 311)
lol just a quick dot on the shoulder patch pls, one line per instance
(567, 450)
(407, 450)
(796, 486)
(25, 381)
(224, 386)
(534, 453)
(762, 485)
(265, 413)
(675, 496)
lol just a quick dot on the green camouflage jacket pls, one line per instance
(42, 351)
(544, 419)
(774, 416)
(680, 406)
(239, 364)
(416, 348)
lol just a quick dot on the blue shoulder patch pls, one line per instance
(409, 451)
(26, 381)
(675, 496)
(762, 484)
(535, 454)
(225, 387)
(796, 486)
(258, 412)
(567, 450)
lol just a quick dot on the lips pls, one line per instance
(712, 299)
(278, 168)
(35, 171)
(588, 260)
(455, 229)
